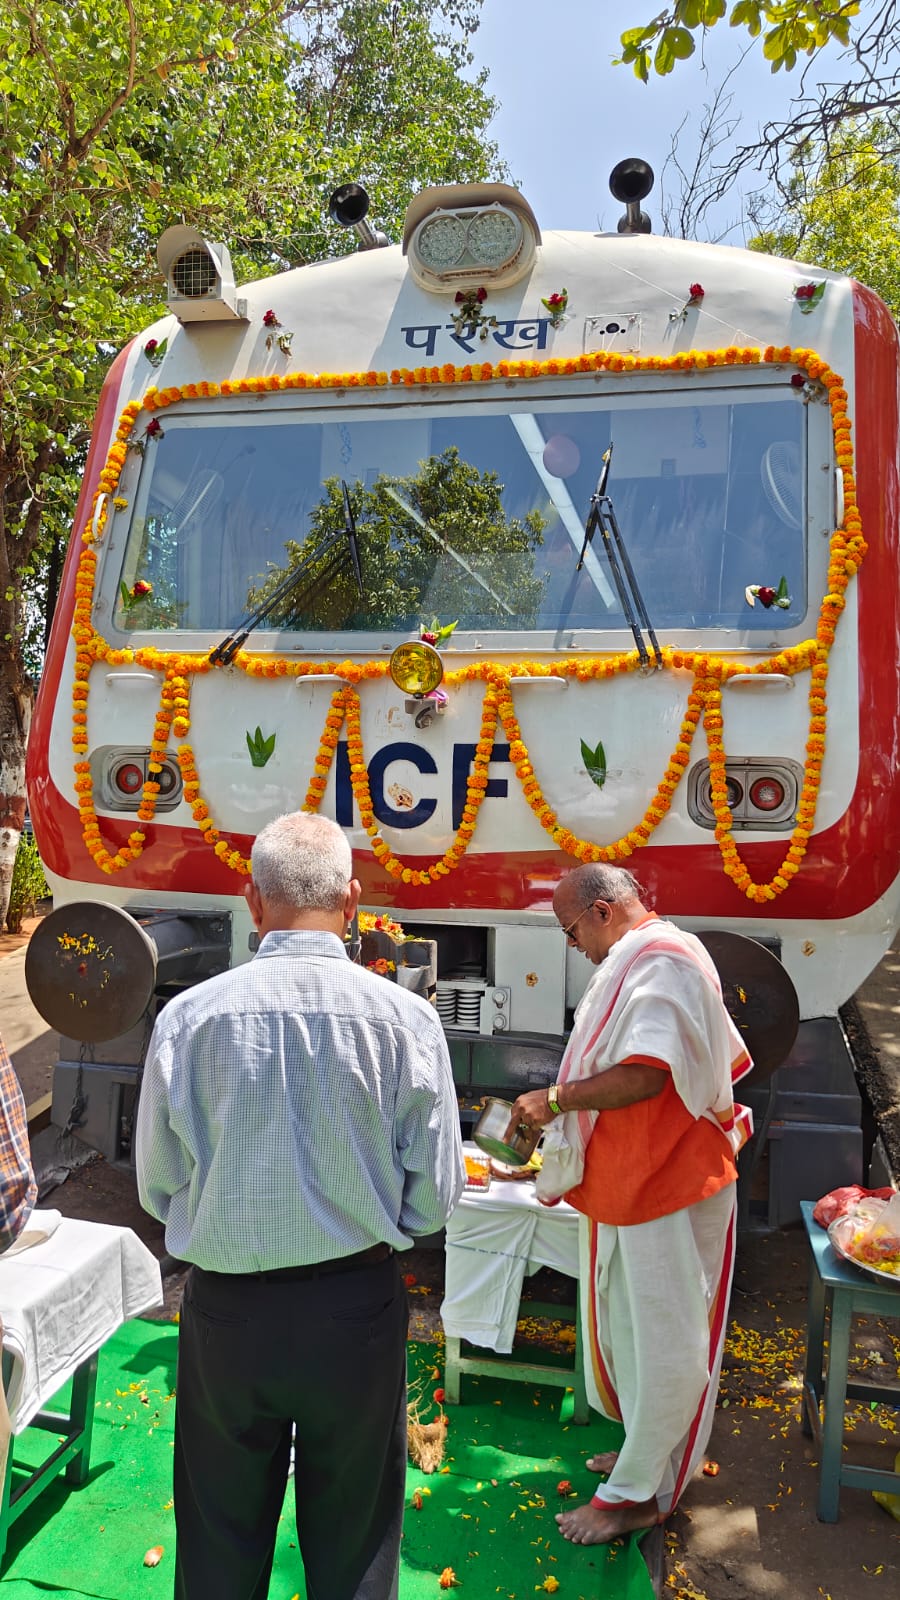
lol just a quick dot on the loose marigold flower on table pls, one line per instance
(448, 1579)
(564, 1487)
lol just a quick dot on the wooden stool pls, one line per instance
(71, 1454)
(838, 1291)
(86, 1278)
(490, 1365)
(494, 1238)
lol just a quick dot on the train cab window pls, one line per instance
(474, 511)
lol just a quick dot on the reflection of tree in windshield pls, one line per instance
(437, 542)
(156, 568)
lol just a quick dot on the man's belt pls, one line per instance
(315, 1269)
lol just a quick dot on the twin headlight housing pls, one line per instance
(459, 235)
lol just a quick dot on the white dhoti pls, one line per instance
(654, 1332)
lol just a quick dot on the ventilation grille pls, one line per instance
(194, 274)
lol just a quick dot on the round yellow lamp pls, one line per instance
(416, 668)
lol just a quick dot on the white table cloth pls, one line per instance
(63, 1298)
(494, 1238)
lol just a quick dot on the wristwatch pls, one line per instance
(553, 1099)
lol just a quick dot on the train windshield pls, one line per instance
(474, 512)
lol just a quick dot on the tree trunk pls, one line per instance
(16, 698)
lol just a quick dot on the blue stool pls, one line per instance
(839, 1291)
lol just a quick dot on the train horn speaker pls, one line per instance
(348, 207)
(631, 181)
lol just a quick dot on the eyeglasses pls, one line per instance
(569, 931)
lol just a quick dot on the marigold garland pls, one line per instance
(704, 700)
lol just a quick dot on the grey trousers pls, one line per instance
(324, 1359)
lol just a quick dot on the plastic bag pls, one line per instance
(839, 1201)
(875, 1239)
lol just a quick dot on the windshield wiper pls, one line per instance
(226, 651)
(447, 548)
(602, 515)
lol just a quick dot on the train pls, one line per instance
(509, 550)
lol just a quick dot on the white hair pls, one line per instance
(302, 861)
(600, 881)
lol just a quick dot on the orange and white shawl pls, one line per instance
(656, 996)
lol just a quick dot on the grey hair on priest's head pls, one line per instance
(302, 861)
(597, 881)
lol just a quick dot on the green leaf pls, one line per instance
(681, 43)
(781, 592)
(664, 59)
(594, 763)
(259, 747)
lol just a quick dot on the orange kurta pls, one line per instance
(651, 1158)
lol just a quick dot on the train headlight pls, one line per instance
(119, 773)
(734, 792)
(767, 794)
(128, 778)
(416, 668)
(462, 235)
(762, 793)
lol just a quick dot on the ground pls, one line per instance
(747, 1531)
(750, 1531)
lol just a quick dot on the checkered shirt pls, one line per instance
(18, 1190)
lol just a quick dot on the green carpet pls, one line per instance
(488, 1515)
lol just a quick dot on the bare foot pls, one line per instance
(593, 1524)
(603, 1462)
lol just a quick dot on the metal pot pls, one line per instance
(497, 1133)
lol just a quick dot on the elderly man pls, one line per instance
(297, 1130)
(642, 1139)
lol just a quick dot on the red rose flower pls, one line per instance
(141, 588)
(154, 426)
(270, 320)
(696, 291)
(481, 295)
(149, 347)
(804, 291)
(765, 595)
(797, 380)
(439, 1396)
(429, 638)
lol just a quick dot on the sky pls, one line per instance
(567, 115)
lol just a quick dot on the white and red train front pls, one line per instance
(459, 394)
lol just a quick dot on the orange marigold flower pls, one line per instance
(448, 1579)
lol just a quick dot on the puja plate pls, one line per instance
(502, 1170)
(837, 1233)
